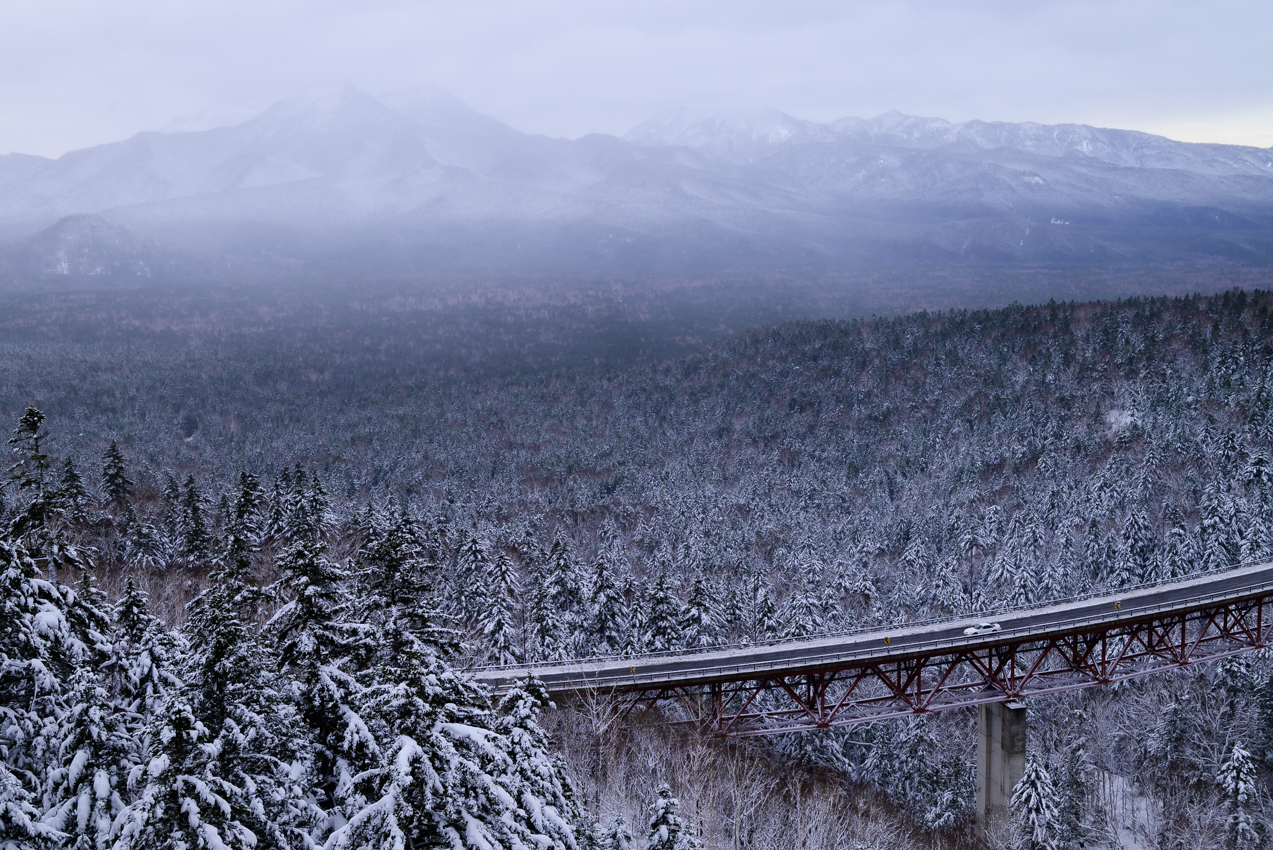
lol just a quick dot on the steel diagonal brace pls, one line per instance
(1029, 674)
(941, 681)
(1202, 633)
(782, 683)
(857, 680)
(755, 692)
(897, 691)
(1244, 628)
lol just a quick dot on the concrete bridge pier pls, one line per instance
(1000, 754)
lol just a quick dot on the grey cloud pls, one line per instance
(78, 73)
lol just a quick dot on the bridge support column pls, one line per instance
(1000, 754)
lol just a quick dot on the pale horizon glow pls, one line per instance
(77, 73)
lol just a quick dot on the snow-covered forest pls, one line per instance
(246, 571)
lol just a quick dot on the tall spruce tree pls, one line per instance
(84, 792)
(1239, 782)
(499, 622)
(447, 776)
(699, 620)
(196, 542)
(1034, 800)
(606, 609)
(322, 648)
(72, 499)
(222, 772)
(116, 485)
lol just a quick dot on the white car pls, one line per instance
(983, 629)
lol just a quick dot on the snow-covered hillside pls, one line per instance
(419, 180)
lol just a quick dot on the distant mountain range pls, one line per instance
(343, 182)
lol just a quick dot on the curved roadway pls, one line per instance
(732, 664)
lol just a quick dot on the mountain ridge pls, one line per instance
(447, 186)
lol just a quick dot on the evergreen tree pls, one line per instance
(246, 520)
(1264, 717)
(170, 521)
(699, 621)
(1221, 538)
(320, 511)
(666, 826)
(220, 774)
(322, 648)
(662, 629)
(196, 543)
(1172, 740)
(40, 649)
(541, 781)
(72, 498)
(1072, 795)
(565, 595)
(20, 825)
(1136, 559)
(546, 626)
(30, 470)
(83, 793)
(116, 484)
(144, 665)
(1179, 555)
(1035, 801)
(473, 573)
(1238, 781)
(143, 543)
(399, 578)
(499, 623)
(615, 836)
(447, 776)
(606, 609)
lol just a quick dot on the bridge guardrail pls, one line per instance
(548, 667)
(739, 670)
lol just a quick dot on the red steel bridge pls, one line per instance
(915, 668)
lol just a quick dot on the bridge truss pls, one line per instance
(846, 692)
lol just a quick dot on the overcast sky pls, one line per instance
(73, 74)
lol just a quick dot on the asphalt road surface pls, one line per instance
(733, 664)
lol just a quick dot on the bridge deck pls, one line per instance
(888, 644)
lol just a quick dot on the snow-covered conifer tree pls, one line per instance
(1034, 801)
(615, 836)
(499, 623)
(84, 792)
(1221, 537)
(20, 825)
(664, 832)
(1072, 795)
(144, 657)
(1238, 781)
(322, 648)
(1135, 560)
(196, 542)
(606, 609)
(116, 485)
(662, 614)
(1179, 555)
(538, 779)
(447, 776)
(803, 615)
(699, 620)
(220, 772)
(72, 498)
(472, 577)
(247, 521)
